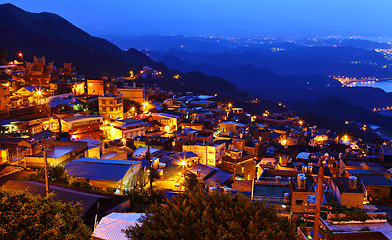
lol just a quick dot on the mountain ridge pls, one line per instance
(50, 35)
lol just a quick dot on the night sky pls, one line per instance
(229, 17)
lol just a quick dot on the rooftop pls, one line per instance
(111, 226)
(374, 179)
(99, 169)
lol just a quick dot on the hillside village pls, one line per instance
(113, 135)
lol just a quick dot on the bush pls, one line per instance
(31, 217)
(200, 215)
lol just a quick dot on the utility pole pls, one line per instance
(149, 162)
(319, 198)
(46, 170)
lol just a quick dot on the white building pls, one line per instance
(209, 154)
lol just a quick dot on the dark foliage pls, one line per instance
(28, 217)
(201, 215)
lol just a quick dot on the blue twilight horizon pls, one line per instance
(229, 18)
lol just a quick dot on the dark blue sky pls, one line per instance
(221, 17)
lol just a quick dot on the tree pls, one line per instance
(31, 217)
(57, 174)
(201, 215)
(142, 198)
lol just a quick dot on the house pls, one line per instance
(195, 135)
(170, 121)
(95, 147)
(348, 191)
(106, 173)
(5, 101)
(212, 175)
(242, 164)
(232, 127)
(58, 153)
(95, 87)
(33, 94)
(172, 168)
(376, 186)
(126, 128)
(111, 226)
(209, 153)
(136, 94)
(111, 106)
(274, 187)
(82, 126)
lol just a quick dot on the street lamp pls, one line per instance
(145, 104)
(21, 56)
(184, 164)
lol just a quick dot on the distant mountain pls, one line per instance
(332, 112)
(47, 34)
(339, 61)
(163, 43)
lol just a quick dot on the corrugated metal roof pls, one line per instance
(111, 226)
(204, 170)
(219, 177)
(60, 102)
(107, 161)
(211, 174)
(99, 169)
(80, 117)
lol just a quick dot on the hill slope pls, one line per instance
(47, 34)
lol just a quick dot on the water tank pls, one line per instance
(227, 190)
(278, 179)
(160, 174)
(352, 182)
(301, 182)
(212, 189)
(198, 173)
(286, 198)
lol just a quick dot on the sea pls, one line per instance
(385, 84)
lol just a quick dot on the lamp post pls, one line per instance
(45, 167)
(20, 55)
(184, 165)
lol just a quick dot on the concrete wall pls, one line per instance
(352, 200)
